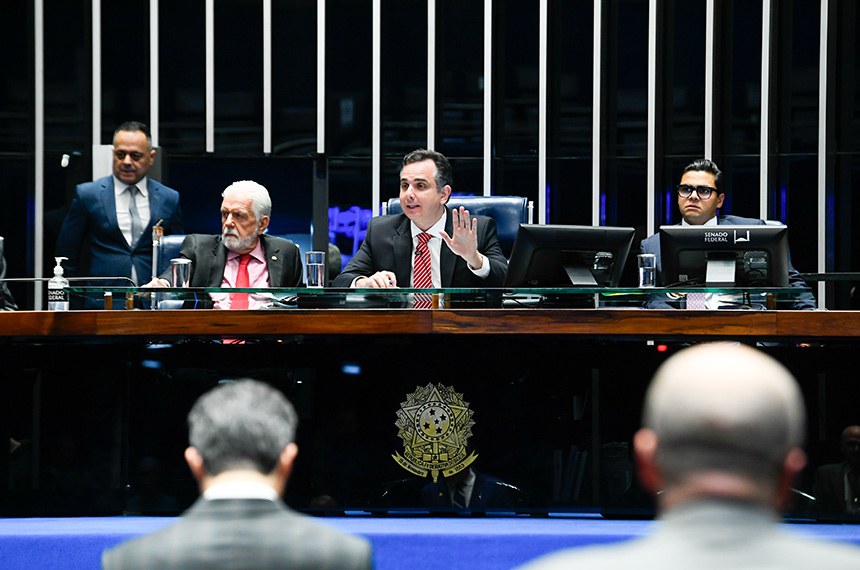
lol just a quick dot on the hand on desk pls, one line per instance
(157, 282)
(379, 280)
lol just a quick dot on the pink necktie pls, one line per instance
(240, 300)
(422, 274)
(697, 301)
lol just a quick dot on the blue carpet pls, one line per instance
(450, 543)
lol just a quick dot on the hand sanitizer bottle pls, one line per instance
(58, 296)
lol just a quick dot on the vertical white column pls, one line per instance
(595, 114)
(822, 151)
(39, 150)
(652, 113)
(376, 137)
(210, 75)
(320, 76)
(542, 107)
(267, 76)
(709, 80)
(153, 73)
(97, 71)
(488, 96)
(764, 145)
(431, 74)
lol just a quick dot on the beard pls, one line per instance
(238, 244)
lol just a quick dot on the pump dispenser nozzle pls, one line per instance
(58, 270)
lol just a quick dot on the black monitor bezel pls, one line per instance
(674, 240)
(533, 238)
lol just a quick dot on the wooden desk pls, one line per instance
(807, 326)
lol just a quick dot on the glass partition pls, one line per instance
(740, 298)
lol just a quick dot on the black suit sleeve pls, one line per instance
(492, 249)
(7, 303)
(361, 264)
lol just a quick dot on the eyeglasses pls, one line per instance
(135, 156)
(703, 192)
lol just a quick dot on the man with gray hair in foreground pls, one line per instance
(241, 453)
(721, 444)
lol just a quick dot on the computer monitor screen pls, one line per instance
(565, 256)
(729, 256)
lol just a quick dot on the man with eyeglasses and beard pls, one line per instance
(242, 248)
(700, 195)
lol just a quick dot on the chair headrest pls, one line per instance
(507, 211)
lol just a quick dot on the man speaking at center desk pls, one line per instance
(407, 249)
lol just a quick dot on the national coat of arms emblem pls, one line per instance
(435, 424)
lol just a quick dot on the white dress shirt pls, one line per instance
(123, 218)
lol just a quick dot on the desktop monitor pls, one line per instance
(729, 256)
(565, 256)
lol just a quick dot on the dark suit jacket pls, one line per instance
(90, 236)
(829, 488)
(209, 257)
(7, 303)
(651, 244)
(241, 533)
(488, 492)
(387, 246)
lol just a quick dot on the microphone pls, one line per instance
(157, 234)
(418, 251)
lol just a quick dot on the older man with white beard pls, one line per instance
(242, 256)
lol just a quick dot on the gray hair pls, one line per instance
(260, 200)
(242, 424)
(724, 407)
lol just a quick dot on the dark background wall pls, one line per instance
(793, 158)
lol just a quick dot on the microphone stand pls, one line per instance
(157, 234)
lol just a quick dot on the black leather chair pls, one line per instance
(168, 248)
(508, 212)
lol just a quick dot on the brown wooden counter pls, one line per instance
(637, 323)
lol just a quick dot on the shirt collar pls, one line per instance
(240, 490)
(256, 253)
(433, 230)
(711, 222)
(119, 186)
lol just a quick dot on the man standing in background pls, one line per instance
(108, 229)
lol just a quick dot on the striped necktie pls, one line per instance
(422, 275)
(458, 500)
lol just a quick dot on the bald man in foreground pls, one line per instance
(721, 445)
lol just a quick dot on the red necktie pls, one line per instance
(240, 300)
(422, 276)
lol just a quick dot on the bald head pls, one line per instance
(723, 407)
